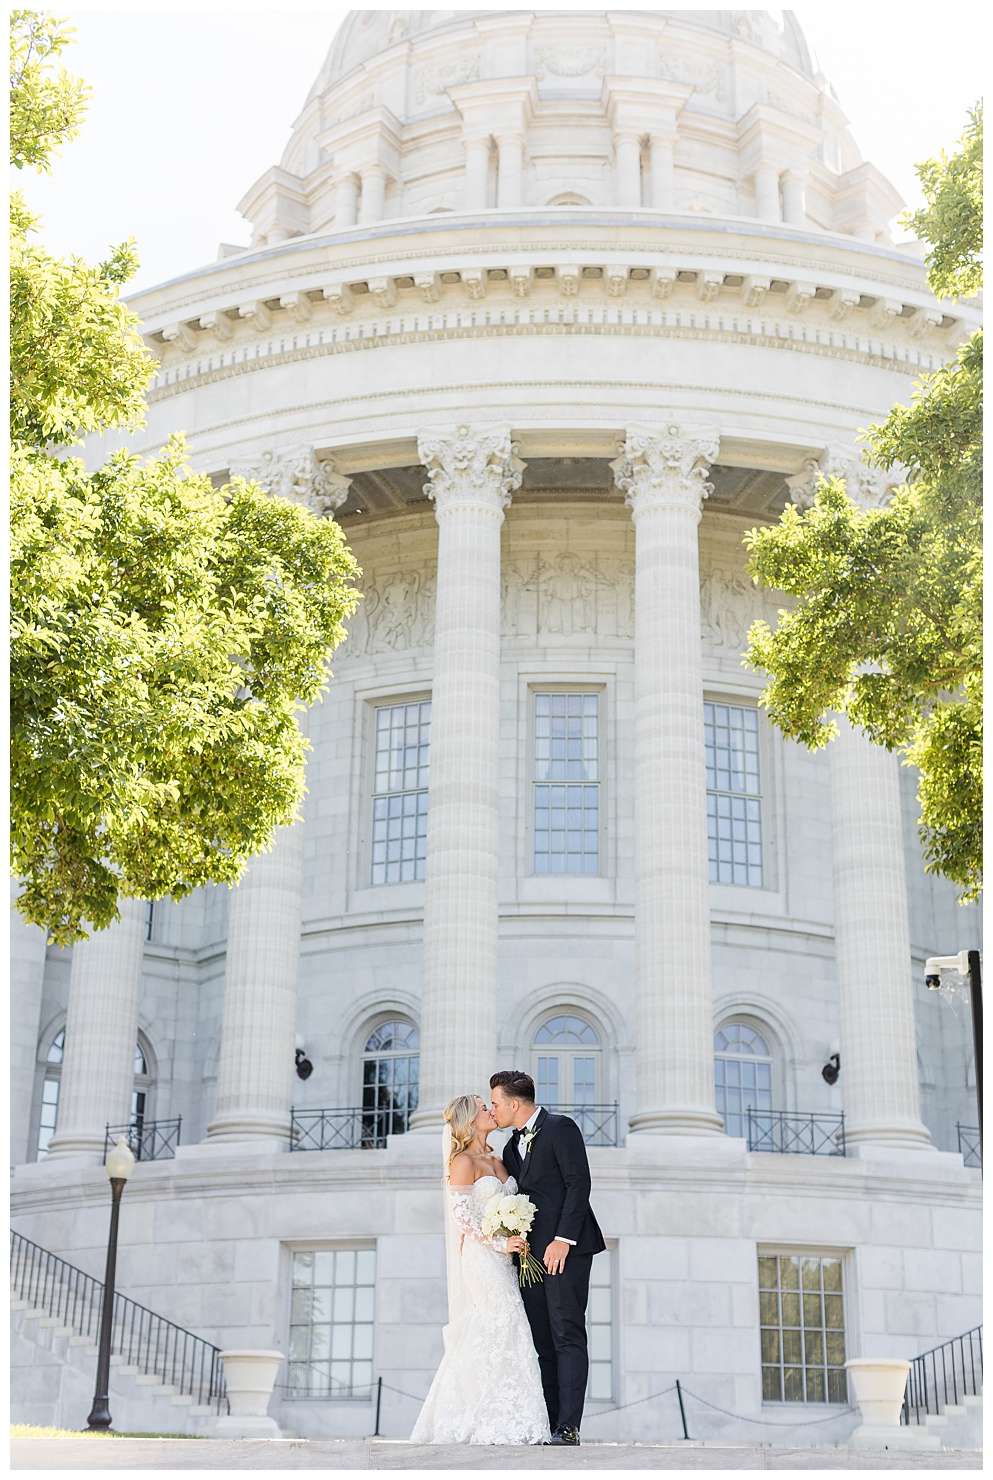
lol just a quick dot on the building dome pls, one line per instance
(365, 33)
(714, 112)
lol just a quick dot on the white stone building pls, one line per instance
(547, 309)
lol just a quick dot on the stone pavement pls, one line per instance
(92, 1453)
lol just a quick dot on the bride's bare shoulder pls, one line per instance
(462, 1171)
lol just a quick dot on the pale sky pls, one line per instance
(190, 106)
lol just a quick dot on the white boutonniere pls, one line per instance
(527, 1137)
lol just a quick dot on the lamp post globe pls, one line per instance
(119, 1163)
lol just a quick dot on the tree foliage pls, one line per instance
(887, 621)
(164, 633)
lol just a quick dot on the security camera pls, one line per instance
(304, 1067)
(832, 1069)
(935, 965)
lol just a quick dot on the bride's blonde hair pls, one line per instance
(460, 1114)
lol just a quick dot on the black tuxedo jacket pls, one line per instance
(556, 1178)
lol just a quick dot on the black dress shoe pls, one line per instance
(565, 1436)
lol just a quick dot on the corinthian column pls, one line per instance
(663, 472)
(101, 1030)
(472, 475)
(258, 1028)
(872, 948)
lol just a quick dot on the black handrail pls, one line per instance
(796, 1134)
(139, 1337)
(970, 1145)
(150, 1140)
(355, 1128)
(944, 1374)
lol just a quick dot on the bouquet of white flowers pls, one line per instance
(509, 1216)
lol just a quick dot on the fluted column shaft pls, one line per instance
(663, 473)
(627, 153)
(510, 170)
(101, 1031)
(346, 202)
(472, 474)
(767, 206)
(258, 1027)
(879, 1077)
(477, 169)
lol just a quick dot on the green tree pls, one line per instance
(164, 633)
(887, 620)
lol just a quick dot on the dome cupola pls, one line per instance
(719, 113)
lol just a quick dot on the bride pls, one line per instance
(488, 1387)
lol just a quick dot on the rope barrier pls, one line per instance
(765, 1422)
(620, 1408)
(591, 1417)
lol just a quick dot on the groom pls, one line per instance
(547, 1157)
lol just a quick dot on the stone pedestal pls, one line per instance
(258, 1029)
(472, 475)
(101, 1032)
(663, 471)
(879, 1075)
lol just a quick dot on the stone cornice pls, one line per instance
(705, 324)
(526, 230)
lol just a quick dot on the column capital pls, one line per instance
(666, 467)
(869, 487)
(296, 473)
(470, 468)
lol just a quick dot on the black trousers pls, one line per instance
(556, 1312)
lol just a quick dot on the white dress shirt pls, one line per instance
(524, 1151)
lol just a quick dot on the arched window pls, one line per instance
(52, 1083)
(570, 198)
(50, 1092)
(742, 1075)
(390, 1077)
(141, 1094)
(566, 1063)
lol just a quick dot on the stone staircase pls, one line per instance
(52, 1372)
(163, 1379)
(957, 1425)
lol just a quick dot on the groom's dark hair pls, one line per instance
(517, 1084)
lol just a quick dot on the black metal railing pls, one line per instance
(141, 1338)
(598, 1123)
(350, 1129)
(970, 1145)
(797, 1135)
(944, 1375)
(353, 1128)
(150, 1140)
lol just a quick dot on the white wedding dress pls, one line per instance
(488, 1387)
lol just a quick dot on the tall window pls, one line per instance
(742, 1075)
(802, 1310)
(50, 1093)
(566, 1063)
(140, 1093)
(390, 1077)
(734, 796)
(332, 1316)
(149, 917)
(566, 783)
(600, 1329)
(400, 792)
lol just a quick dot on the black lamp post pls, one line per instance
(120, 1165)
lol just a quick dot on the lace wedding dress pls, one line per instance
(488, 1387)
